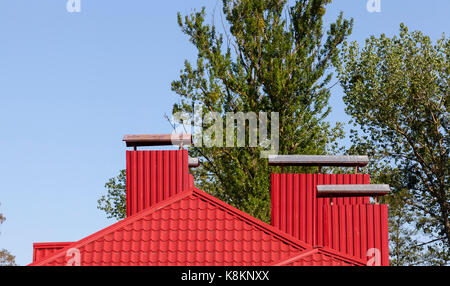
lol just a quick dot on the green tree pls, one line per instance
(114, 203)
(396, 90)
(6, 258)
(272, 57)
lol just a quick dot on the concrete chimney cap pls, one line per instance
(158, 139)
(318, 160)
(352, 190)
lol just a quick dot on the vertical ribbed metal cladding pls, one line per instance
(154, 176)
(43, 250)
(355, 229)
(295, 206)
(350, 225)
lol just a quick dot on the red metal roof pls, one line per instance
(191, 228)
(43, 250)
(170, 222)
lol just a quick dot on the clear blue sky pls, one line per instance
(72, 84)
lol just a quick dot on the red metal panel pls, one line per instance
(384, 236)
(335, 228)
(128, 159)
(364, 233)
(320, 223)
(166, 184)
(140, 190)
(45, 249)
(342, 229)
(159, 176)
(350, 225)
(294, 201)
(274, 201)
(303, 213)
(191, 181)
(179, 172)
(370, 228)
(283, 202)
(133, 191)
(358, 228)
(173, 174)
(153, 183)
(146, 195)
(296, 213)
(356, 231)
(313, 205)
(289, 204)
(153, 176)
(377, 227)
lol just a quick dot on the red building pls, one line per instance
(171, 222)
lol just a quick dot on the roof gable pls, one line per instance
(45, 249)
(191, 228)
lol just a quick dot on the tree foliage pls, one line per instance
(396, 90)
(114, 203)
(6, 258)
(270, 57)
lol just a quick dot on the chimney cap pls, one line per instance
(157, 139)
(318, 160)
(352, 190)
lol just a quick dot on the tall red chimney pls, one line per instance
(296, 206)
(154, 176)
(343, 220)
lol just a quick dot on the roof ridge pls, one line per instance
(50, 244)
(116, 225)
(305, 248)
(262, 225)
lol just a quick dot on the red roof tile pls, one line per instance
(190, 228)
(322, 256)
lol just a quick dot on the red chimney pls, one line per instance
(295, 204)
(343, 220)
(153, 176)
